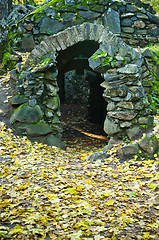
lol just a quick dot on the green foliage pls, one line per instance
(153, 3)
(8, 61)
(106, 60)
(126, 139)
(154, 49)
(102, 54)
(98, 55)
(44, 61)
(156, 99)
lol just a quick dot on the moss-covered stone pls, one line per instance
(37, 129)
(18, 100)
(149, 143)
(27, 114)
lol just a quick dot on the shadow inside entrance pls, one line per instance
(78, 132)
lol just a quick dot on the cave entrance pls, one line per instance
(83, 107)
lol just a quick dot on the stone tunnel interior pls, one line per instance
(83, 107)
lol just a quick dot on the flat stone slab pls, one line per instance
(128, 150)
(36, 129)
(122, 115)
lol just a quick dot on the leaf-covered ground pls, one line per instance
(47, 193)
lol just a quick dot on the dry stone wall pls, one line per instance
(133, 21)
(125, 71)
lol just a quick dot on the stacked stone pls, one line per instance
(129, 110)
(136, 24)
(139, 27)
(124, 70)
(38, 114)
(51, 102)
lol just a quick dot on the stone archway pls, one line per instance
(123, 69)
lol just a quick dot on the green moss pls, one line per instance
(53, 3)
(39, 123)
(8, 61)
(18, 95)
(144, 126)
(16, 110)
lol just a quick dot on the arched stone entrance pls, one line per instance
(129, 106)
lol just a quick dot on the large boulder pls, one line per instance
(27, 114)
(37, 129)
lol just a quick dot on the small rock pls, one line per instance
(50, 26)
(32, 102)
(110, 127)
(28, 43)
(29, 27)
(54, 141)
(125, 124)
(128, 29)
(126, 105)
(67, 17)
(18, 100)
(128, 151)
(128, 69)
(89, 14)
(112, 21)
(97, 156)
(13, 74)
(149, 143)
(70, 2)
(126, 22)
(139, 24)
(134, 132)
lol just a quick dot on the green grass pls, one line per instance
(153, 47)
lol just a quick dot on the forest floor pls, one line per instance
(48, 193)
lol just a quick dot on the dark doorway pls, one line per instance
(83, 107)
